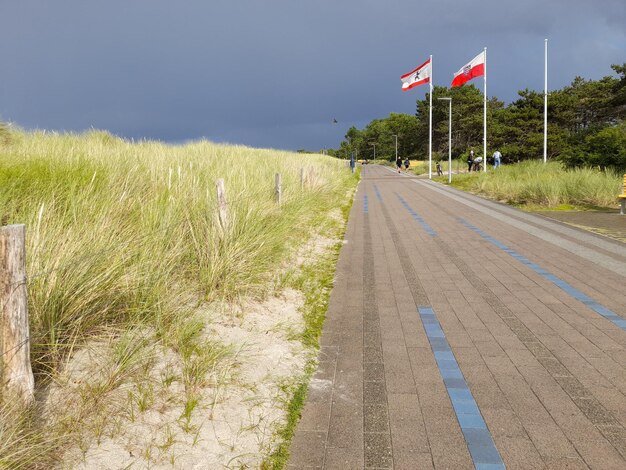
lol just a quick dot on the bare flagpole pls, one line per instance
(430, 124)
(545, 102)
(485, 117)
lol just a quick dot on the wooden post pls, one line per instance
(222, 204)
(278, 189)
(17, 371)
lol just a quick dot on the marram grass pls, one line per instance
(548, 186)
(121, 234)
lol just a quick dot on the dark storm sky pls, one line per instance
(274, 73)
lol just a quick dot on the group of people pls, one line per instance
(407, 164)
(473, 163)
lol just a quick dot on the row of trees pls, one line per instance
(586, 125)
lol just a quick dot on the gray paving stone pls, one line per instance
(375, 418)
(374, 393)
(338, 458)
(408, 431)
(308, 449)
(547, 372)
(315, 417)
(373, 354)
(377, 450)
(374, 372)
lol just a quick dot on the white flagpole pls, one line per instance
(430, 123)
(485, 117)
(545, 103)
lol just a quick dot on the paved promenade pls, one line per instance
(462, 333)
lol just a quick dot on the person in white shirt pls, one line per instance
(496, 158)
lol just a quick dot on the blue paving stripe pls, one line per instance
(365, 204)
(380, 198)
(417, 217)
(578, 295)
(477, 436)
(490, 466)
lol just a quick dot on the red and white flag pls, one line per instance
(419, 76)
(475, 68)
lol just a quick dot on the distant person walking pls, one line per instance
(496, 158)
(439, 171)
(407, 164)
(399, 164)
(470, 160)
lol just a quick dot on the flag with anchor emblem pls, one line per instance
(419, 76)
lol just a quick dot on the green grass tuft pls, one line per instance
(535, 185)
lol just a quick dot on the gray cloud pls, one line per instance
(274, 73)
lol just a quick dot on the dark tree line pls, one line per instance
(586, 125)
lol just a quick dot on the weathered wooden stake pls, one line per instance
(278, 189)
(16, 367)
(222, 204)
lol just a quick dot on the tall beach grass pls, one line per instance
(535, 184)
(123, 235)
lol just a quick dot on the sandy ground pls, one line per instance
(236, 416)
(237, 413)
